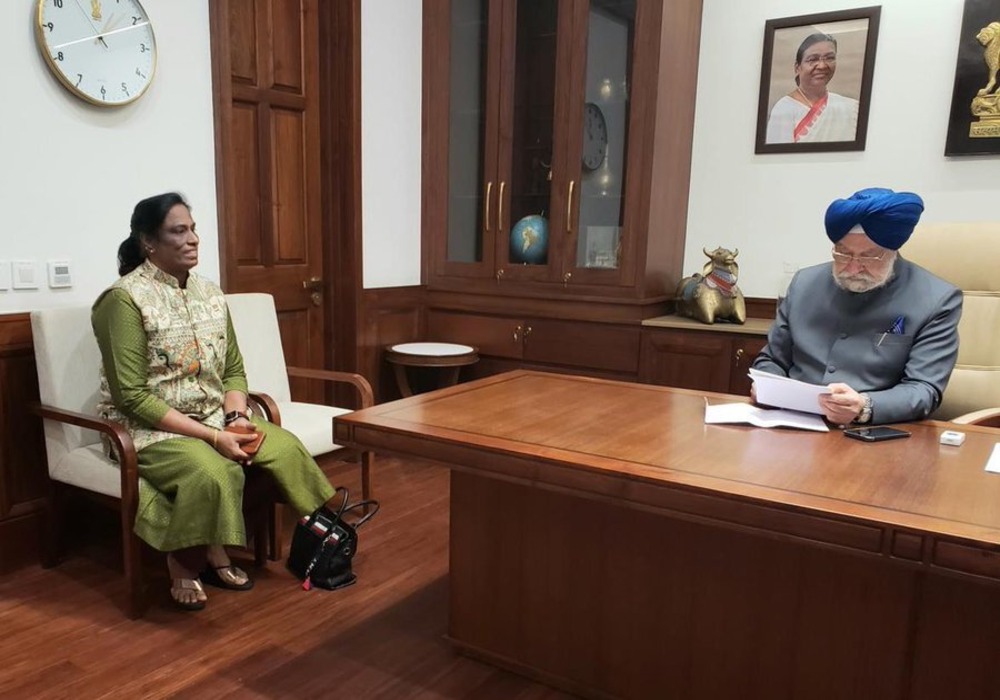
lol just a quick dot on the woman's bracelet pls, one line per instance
(215, 438)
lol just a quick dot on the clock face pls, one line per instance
(102, 50)
(595, 136)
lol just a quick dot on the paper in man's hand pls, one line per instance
(782, 392)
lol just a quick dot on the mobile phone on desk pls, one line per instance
(876, 434)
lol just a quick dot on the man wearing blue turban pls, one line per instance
(881, 332)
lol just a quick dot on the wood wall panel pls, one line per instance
(23, 471)
(243, 42)
(246, 231)
(288, 186)
(389, 316)
(286, 39)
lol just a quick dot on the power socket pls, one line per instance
(4, 275)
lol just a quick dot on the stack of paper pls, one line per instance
(762, 417)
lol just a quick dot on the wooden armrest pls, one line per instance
(128, 459)
(987, 417)
(266, 405)
(359, 382)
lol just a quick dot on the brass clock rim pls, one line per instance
(55, 70)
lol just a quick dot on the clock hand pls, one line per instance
(97, 31)
(108, 27)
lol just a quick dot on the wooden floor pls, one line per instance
(63, 635)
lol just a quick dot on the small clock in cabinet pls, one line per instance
(595, 137)
(102, 51)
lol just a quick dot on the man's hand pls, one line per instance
(842, 405)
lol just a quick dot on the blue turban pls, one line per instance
(887, 217)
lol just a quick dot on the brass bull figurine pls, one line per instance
(713, 294)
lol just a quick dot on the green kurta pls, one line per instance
(164, 346)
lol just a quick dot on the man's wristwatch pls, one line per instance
(234, 416)
(865, 414)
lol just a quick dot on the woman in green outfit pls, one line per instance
(172, 373)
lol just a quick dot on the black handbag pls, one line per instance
(324, 544)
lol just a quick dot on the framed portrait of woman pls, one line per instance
(816, 82)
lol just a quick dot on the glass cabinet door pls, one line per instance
(526, 247)
(473, 32)
(600, 168)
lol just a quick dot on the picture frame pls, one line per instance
(974, 119)
(796, 112)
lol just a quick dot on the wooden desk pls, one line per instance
(605, 540)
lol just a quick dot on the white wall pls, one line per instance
(70, 173)
(390, 141)
(771, 206)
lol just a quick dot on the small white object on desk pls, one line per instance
(952, 437)
(993, 465)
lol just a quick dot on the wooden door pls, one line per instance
(266, 74)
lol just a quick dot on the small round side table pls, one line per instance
(449, 357)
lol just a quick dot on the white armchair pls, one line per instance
(255, 321)
(968, 256)
(68, 362)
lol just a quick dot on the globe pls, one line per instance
(529, 240)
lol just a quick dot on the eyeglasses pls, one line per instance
(845, 258)
(811, 61)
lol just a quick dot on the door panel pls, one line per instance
(286, 44)
(290, 170)
(270, 133)
(246, 159)
(243, 41)
(686, 360)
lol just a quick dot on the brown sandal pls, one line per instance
(179, 585)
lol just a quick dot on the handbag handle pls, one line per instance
(314, 516)
(366, 517)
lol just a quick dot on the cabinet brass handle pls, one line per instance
(569, 208)
(503, 185)
(517, 333)
(486, 205)
(527, 332)
(739, 356)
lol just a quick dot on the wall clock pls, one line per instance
(595, 137)
(102, 51)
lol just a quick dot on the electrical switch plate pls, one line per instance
(25, 274)
(59, 274)
(4, 275)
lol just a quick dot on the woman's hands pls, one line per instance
(229, 445)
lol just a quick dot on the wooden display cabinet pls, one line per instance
(557, 152)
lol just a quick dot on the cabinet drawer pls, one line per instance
(581, 344)
(498, 336)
